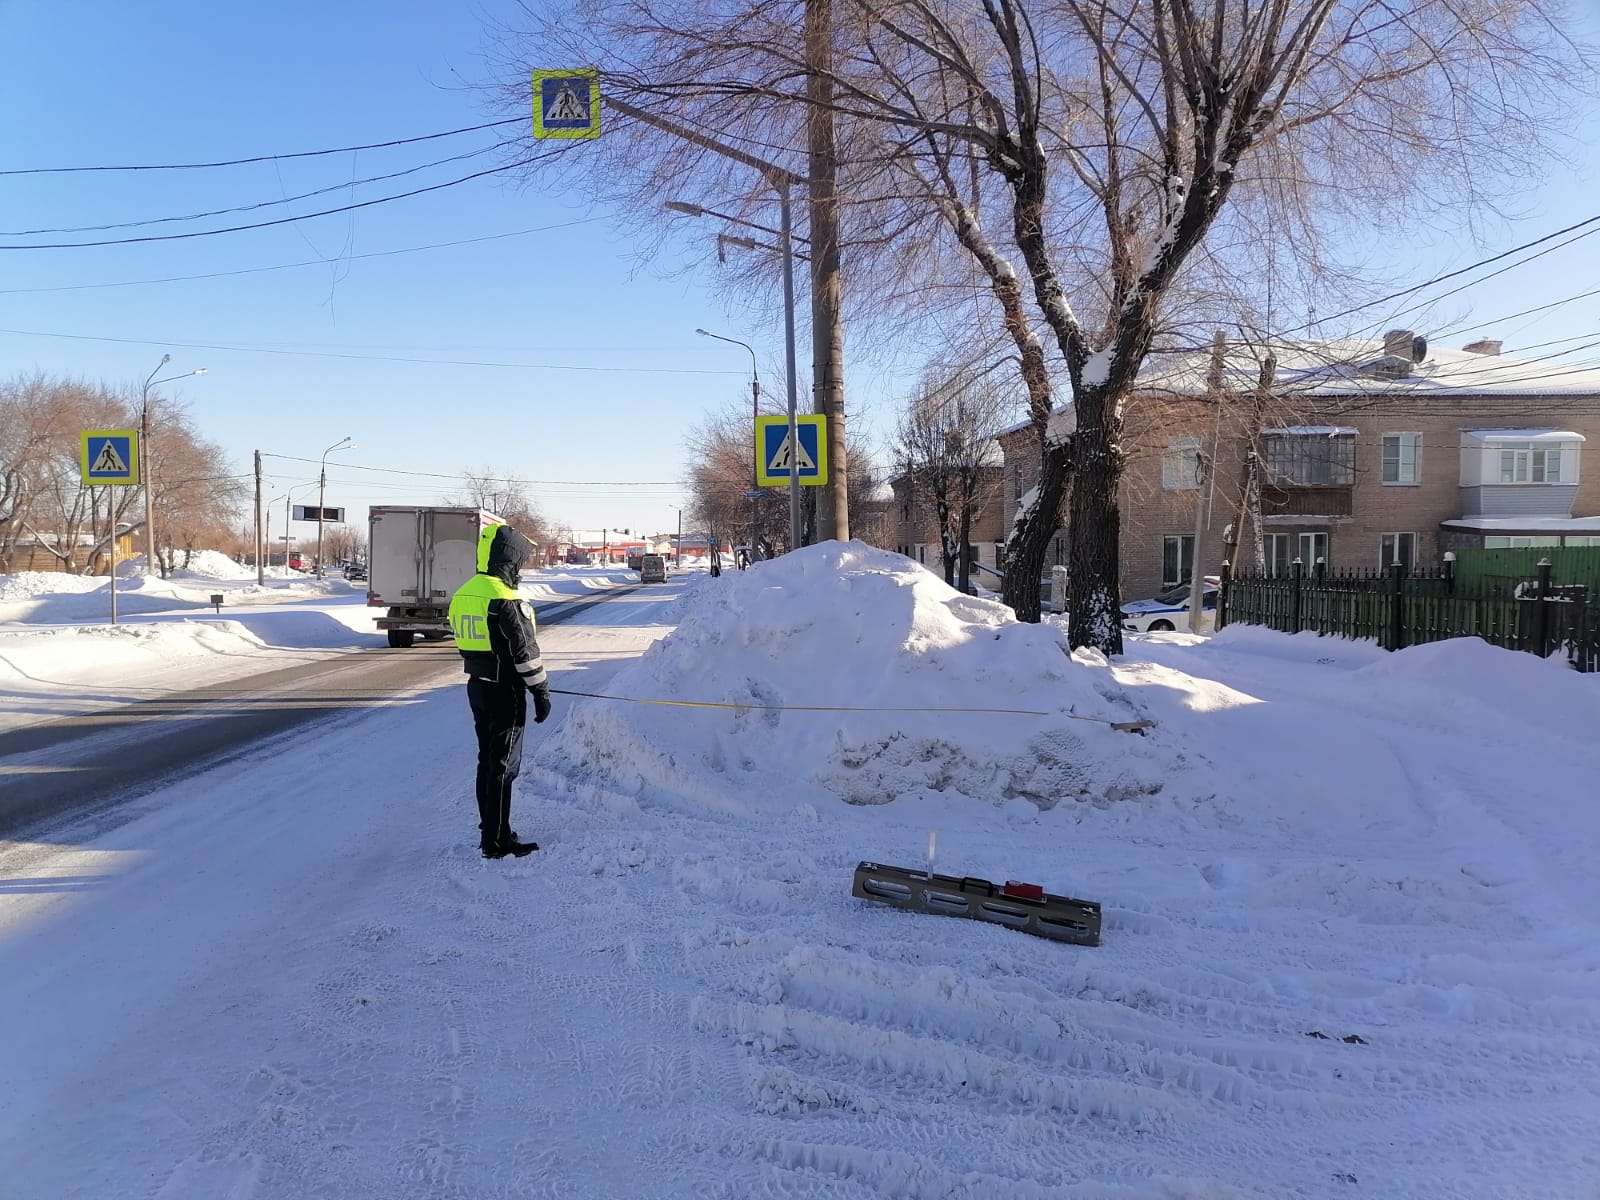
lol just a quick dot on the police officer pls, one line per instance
(495, 633)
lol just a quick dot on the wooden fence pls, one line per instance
(1397, 608)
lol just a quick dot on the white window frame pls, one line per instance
(1400, 440)
(1388, 548)
(1523, 462)
(1279, 550)
(1185, 557)
(1306, 548)
(1180, 466)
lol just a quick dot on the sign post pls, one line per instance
(109, 457)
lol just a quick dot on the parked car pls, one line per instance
(1170, 610)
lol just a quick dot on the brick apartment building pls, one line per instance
(916, 529)
(1370, 452)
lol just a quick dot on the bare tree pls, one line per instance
(507, 498)
(947, 453)
(1129, 152)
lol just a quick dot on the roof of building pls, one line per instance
(1528, 525)
(1358, 367)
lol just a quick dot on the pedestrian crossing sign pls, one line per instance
(566, 104)
(109, 456)
(777, 455)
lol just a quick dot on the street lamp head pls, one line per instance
(705, 333)
(679, 206)
(165, 359)
(201, 371)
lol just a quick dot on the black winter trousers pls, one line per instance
(499, 712)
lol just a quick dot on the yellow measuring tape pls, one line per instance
(1120, 726)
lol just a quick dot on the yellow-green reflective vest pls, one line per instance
(469, 612)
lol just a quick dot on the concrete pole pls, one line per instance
(827, 327)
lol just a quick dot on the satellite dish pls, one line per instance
(1419, 348)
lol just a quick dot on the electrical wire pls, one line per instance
(437, 362)
(260, 158)
(1448, 275)
(218, 212)
(310, 262)
(327, 212)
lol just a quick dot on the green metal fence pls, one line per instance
(1490, 571)
(1395, 609)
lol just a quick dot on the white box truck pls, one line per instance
(417, 559)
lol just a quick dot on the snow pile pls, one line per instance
(213, 564)
(845, 625)
(29, 585)
(1473, 679)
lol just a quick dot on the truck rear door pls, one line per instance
(394, 566)
(451, 555)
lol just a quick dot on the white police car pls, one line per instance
(1170, 610)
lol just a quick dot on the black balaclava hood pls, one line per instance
(507, 553)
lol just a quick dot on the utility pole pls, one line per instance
(827, 330)
(261, 538)
(781, 181)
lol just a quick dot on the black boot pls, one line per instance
(515, 846)
(493, 849)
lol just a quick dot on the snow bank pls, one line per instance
(845, 625)
(213, 564)
(1493, 685)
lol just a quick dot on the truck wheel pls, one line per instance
(401, 638)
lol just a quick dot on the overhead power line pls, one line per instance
(1448, 275)
(434, 362)
(327, 212)
(310, 262)
(260, 158)
(260, 204)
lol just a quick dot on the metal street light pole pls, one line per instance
(322, 492)
(288, 514)
(146, 475)
(755, 413)
(780, 180)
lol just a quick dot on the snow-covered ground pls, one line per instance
(1350, 943)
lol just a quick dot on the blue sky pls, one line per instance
(102, 83)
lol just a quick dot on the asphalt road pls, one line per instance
(80, 765)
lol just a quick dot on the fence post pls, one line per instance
(1299, 574)
(1320, 569)
(1450, 571)
(1222, 596)
(1541, 610)
(1397, 605)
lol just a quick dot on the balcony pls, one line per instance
(1306, 500)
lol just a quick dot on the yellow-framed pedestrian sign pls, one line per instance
(109, 456)
(566, 104)
(776, 457)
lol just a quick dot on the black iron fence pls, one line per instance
(1397, 608)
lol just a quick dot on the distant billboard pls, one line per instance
(310, 512)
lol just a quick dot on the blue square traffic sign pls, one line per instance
(777, 457)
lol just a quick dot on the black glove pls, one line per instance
(541, 704)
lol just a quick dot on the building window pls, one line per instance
(1312, 459)
(1177, 559)
(1180, 465)
(1501, 542)
(1313, 546)
(1580, 539)
(1400, 548)
(1402, 453)
(1521, 462)
(1279, 548)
